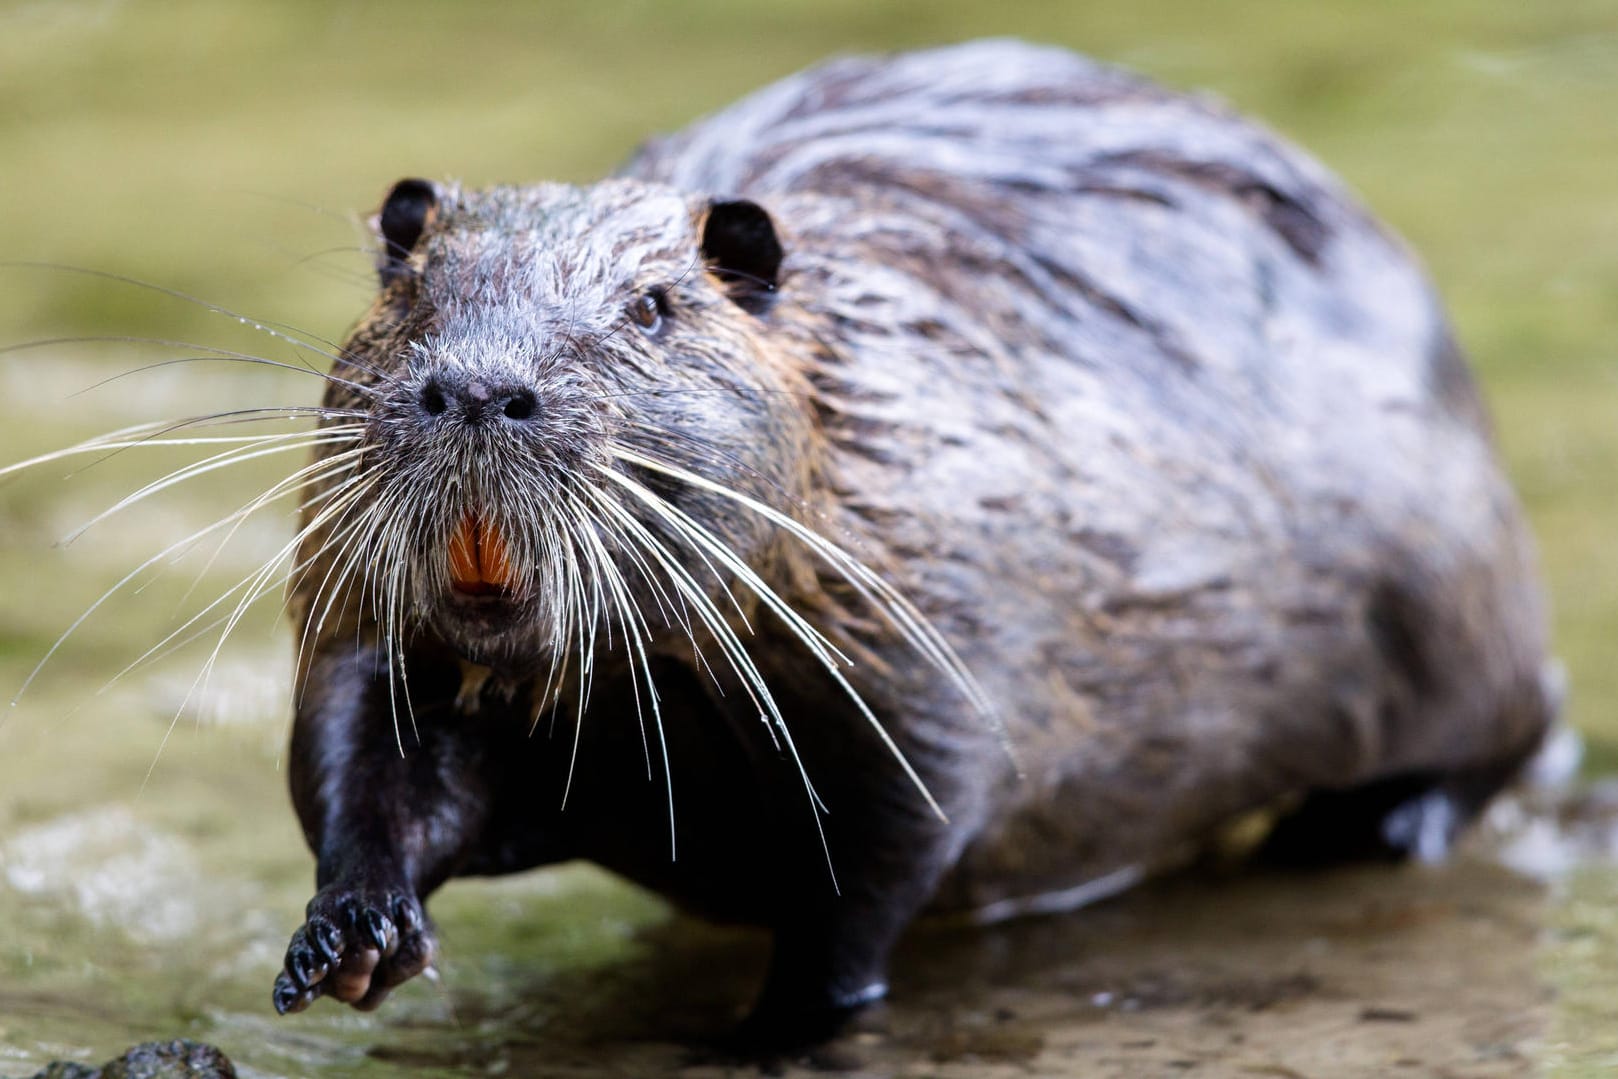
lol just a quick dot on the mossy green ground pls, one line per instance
(230, 151)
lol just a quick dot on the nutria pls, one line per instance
(961, 480)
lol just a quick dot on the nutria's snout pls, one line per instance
(471, 455)
(476, 400)
(460, 415)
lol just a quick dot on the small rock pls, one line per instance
(61, 1069)
(179, 1059)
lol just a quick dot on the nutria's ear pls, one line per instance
(739, 242)
(400, 222)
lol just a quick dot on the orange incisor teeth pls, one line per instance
(478, 561)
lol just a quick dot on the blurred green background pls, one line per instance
(231, 151)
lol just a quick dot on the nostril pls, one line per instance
(432, 399)
(520, 406)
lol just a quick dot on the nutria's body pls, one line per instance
(1165, 437)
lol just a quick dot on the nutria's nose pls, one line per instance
(476, 400)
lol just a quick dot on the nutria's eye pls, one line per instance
(647, 311)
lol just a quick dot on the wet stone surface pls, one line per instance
(178, 1059)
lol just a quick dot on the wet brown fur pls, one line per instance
(1168, 440)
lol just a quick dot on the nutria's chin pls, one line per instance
(494, 631)
(912, 419)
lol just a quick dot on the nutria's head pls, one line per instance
(551, 378)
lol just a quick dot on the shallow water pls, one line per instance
(194, 144)
(165, 914)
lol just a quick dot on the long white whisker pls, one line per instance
(736, 655)
(298, 440)
(261, 582)
(173, 548)
(265, 326)
(828, 656)
(346, 543)
(573, 624)
(125, 439)
(274, 559)
(882, 596)
(257, 586)
(637, 633)
(308, 476)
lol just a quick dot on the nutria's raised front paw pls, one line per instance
(357, 944)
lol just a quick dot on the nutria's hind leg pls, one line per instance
(1418, 814)
(1413, 816)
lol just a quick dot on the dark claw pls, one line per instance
(379, 931)
(406, 916)
(289, 998)
(301, 964)
(327, 938)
